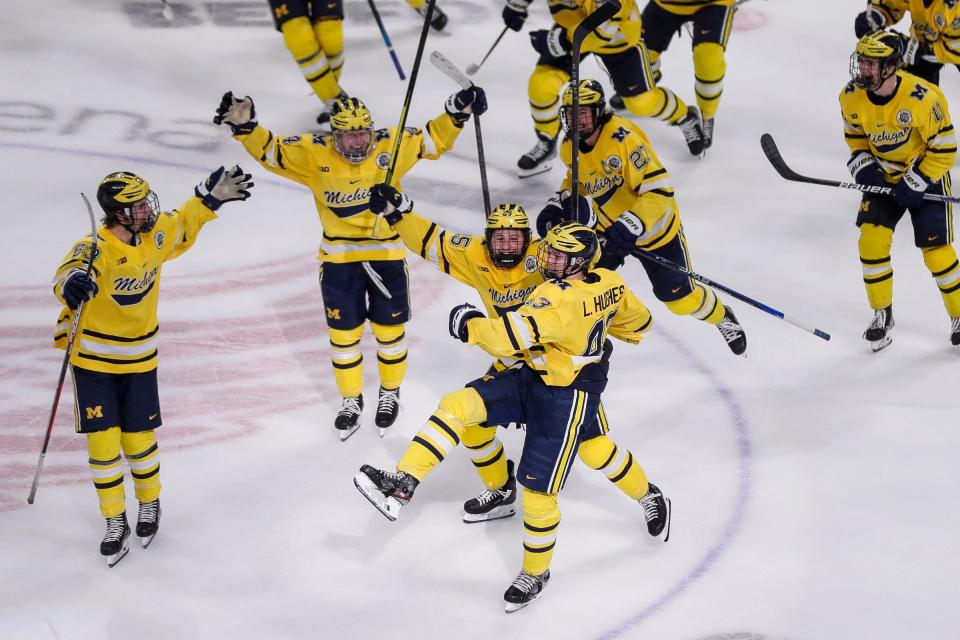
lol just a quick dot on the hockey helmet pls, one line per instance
(127, 200)
(876, 58)
(568, 248)
(352, 127)
(506, 249)
(589, 95)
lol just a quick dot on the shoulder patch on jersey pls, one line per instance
(383, 160)
(904, 117)
(158, 238)
(381, 134)
(169, 214)
(412, 130)
(938, 112)
(639, 157)
(850, 88)
(82, 248)
(955, 25)
(320, 138)
(612, 164)
(539, 303)
(530, 264)
(460, 240)
(940, 20)
(291, 140)
(620, 134)
(918, 92)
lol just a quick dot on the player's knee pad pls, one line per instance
(689, 303)
(476, 436)
(329, 33)
(540, 506)
(391, 354)
(543, 89)
(464, 406)
(875, 241)
(299, 38)
(143, 455)
(943, 266)
(597, 452)
(345, 345)
(658, 102)
(709, 67)
(940, 259)
(106, 468)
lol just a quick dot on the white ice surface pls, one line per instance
(814, 483)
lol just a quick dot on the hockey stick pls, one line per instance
(606, 11)
(386, 39)
(406, 101)
(473, 68)
(441, 62)
(649, 255)
(66, 356)
(773, 155)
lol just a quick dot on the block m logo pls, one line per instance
(94, 412)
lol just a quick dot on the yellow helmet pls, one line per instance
(117, 195)
(589, 94)
(576, 241)
(351, 115)
(884, 47)
(507, 216)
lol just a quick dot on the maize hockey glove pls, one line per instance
(869, 21)
(459, 316)
(560, 207)
(515, 13)
(239, 114)
(622, 235)
(468, 101)
(909, 191)
(551, 43)
(390, 202)
(224, 186)
(77, 288)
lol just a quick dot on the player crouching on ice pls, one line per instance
(114, 364)
(562, 331)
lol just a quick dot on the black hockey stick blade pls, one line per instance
(606, 11)
(770, 150)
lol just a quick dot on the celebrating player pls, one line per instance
(502, 267)
(618, 45)
(114, 364)
(898, 129)
(636, 208)
(934, 32)
(359, 259)
(561, 330)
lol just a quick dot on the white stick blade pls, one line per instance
(441, 62)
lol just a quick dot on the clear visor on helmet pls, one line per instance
(507, 246)
(140, 216)
(354, 145)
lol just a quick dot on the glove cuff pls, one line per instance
(207, 199)
(914, 179)
(242, 129)
(459, 117)
(858, 162)
(519, 5)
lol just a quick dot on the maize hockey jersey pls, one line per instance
(118, 328)
(908, 131)
(623, 173)
(341, 190)
(936, 22)
(619, 33)
(563, 326)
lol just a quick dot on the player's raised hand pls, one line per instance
(459, 316)
(390, 202)
(78, 287)
(515, 13)
(224, 186)
(463, 103)
(240, 114)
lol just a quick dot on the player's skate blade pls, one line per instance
(535, 171)
(497, 513)
(666, 529)
(525, 589)
(346, 433)
(883, 343)
(389, 507)
(114, 559)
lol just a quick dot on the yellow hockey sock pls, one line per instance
(487, 455)
(617, 463)
(143, 456)
(874, 247)
(300, 40)
(347, 360)
(103, 448)
(709, 67)
(329, 33)
(391, 354)
(442, 432)
(541, 518)
(943, 265)
(543, 89)
(659, 102)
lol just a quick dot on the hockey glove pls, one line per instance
(239, 114)
(608, 259)
(915, 52)
(515, 13)
(390, 202)
(909, 191)
(459, 316)
(869, 21)
(224, 186)
(552, 43)
(622, 235)
(468, 101)
(866, 171)
(559, 208)
(77, 288)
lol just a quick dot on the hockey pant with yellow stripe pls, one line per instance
(632, 78)
(313, 33)
(106, 467)
(711, 30)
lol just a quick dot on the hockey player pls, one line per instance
(934, 32)
(636, 208)
(114, 362)
(562, 328)
(898, 128)
(502, 267)
(617, 43)
(313, 33)
(712, 21)
(359, 259)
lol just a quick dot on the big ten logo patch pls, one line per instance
(94, 412)
(333, 314)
